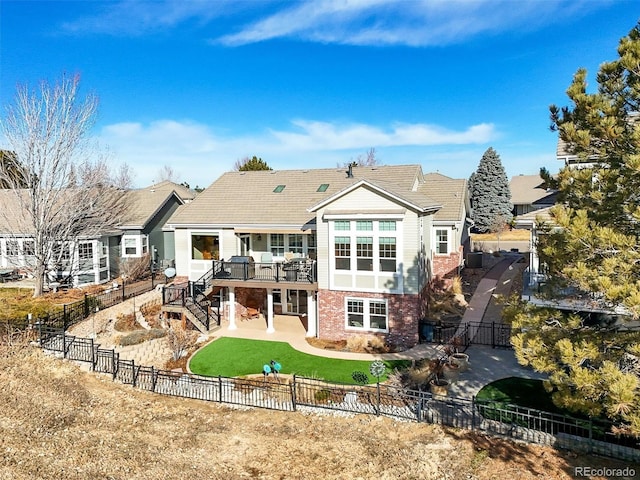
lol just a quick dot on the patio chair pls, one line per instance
(266, 261)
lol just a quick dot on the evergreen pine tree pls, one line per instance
(593, 360)
(489, 193)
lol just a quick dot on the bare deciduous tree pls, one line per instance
(72, 193)
(369, 159)
(166, 173)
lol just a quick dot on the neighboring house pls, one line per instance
(97, 260)
(350, 252)
(531, 197)
(141, 231)
(529, 193)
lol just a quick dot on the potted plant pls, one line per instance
(456, 357)
(450, 370)
(438, 385)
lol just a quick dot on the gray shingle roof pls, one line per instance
(451, 193)
(248, 198)
(530, 190)
(146, 202)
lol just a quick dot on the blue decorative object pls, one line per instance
(266, 370)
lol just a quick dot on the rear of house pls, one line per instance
(349, 251)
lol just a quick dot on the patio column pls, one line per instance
(232, 309)
(270, 328)
(312, 315)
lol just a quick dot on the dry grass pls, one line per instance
(506, 235)
(60, 422)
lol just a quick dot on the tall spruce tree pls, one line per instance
(593, 360)
(489, 193)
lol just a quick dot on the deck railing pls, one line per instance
(294, 271)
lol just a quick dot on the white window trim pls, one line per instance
(436, 242)
(376, 233)
(366, 320)
(287, 247)
(138, 242)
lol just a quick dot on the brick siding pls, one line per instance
(403, 317)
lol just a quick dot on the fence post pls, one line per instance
(86, 305)
(378, 397)
(123, 296)
(114, 366)
(493, 334)
(219, 389)
(293, 392)
(154, 378)
(164, 302)
(64, 317)
(94, 356)
(64, 344)
(473, 413)
(135, 373)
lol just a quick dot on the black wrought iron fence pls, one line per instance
(292, 393)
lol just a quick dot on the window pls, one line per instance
(277, 244)
(295, 243)
(364, 253)
(343, 253)
(378, 315)
(311, 246)
(279, 188)
(367, 314)
(145, 245)
(28, 247)
(376, 252)
(130, 246)
(364, 225)
(85, 255)
(387, 226)
(355, 313)
(442, 242)
(205, 247)
(12, 248)
(323, 187)
(387, 246)
(85, 251)
(60, 255)
(103, 262)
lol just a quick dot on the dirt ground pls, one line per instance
(62, 422)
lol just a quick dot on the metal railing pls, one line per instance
(534, 426)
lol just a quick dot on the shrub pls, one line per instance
(140, 336)
(357, 343)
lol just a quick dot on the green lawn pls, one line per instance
(524, 392)
(235, 357)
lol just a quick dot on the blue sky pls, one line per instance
(197, 85)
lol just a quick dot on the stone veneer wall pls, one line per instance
(403, 317)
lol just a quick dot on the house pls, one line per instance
(529, 193)
(535, 203)
(141, 231)
(350, 252)
(96, 259)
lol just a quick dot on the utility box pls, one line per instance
(474, 260)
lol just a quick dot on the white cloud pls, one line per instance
(136, 17)
(415, 23)
(328, 136)
(199, 156)
(349, 22)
